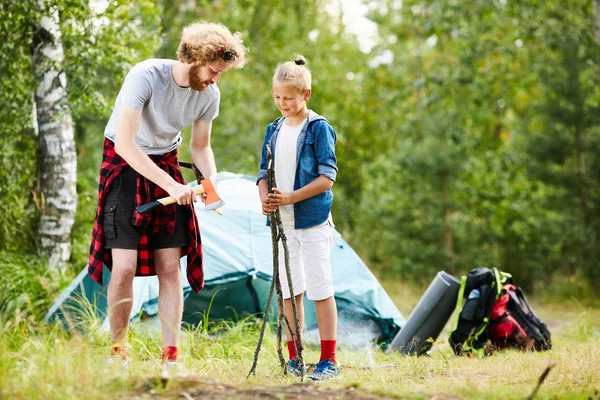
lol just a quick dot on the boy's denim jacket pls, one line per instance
(315, 155)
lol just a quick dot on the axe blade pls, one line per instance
(213, 201)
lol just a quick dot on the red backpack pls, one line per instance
(513, 324)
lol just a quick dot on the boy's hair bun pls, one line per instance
(294, 73)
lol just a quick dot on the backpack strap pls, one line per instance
(469, 344)
(498, 282)
(502, 278)
(459, 302)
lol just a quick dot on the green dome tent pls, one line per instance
(238, 270)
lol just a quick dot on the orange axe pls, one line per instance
(213, 201)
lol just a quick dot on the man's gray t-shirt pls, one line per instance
(166, 107)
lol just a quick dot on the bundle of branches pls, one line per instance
(277, 234)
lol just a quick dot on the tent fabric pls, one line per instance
(238, 270)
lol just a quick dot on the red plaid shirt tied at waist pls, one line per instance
(160, 221)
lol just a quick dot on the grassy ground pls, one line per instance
(42, 362)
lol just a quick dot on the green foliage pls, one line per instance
(449, 129)
(98, 52)
(485, 167)
(466, 135)
(560, 141)
(18, 163)
(18, 158)
(26, 287)
(16, 77)
(102, 49)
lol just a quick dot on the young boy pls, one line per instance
(303, 145)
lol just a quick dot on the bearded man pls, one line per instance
(158, 99)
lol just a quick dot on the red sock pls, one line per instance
(169, 353)
(328, 350)
(291, 349)
(119, 350)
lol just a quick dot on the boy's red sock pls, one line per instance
(328, 350)
(119, 350)
(169, 353)
(291, 349)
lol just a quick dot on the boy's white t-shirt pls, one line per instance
(285, 165)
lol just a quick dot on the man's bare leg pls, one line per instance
(170, 294)
(120, 294)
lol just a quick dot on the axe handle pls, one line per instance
(165, 201)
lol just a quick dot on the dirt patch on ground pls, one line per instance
(196, 388)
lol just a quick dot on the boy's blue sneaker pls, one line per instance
(294, 367)
(325, 369)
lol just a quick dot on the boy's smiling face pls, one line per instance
(289, 100)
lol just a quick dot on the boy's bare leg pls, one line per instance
(170, 294)
(289, 314)
(120, 293)
(327, 318)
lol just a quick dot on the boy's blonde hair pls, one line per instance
(293, 73)
(206, 42)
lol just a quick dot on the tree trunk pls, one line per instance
(56, 144)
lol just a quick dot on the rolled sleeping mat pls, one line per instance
(428, 317)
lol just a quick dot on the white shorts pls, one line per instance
(310, 262)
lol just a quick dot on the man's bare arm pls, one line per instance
(127, 126)
(201, 151)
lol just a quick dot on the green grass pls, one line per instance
(45, 362)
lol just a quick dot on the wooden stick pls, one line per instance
(165, 201)
(277, 234)
(541, 380)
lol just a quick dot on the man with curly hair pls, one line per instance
(158, 99)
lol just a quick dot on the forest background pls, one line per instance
(468, 132)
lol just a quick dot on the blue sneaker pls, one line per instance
(294, 367)
(325, 369)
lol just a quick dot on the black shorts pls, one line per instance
(119, 233)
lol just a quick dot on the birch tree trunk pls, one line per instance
(56, 144)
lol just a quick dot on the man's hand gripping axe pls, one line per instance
(213, 201)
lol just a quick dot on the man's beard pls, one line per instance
(194, 77)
